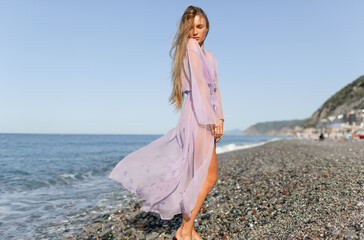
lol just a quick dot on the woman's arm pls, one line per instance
(200, 92)
(218, 94)
(218, 131)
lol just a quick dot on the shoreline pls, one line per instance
(283, 189)
(241, 147)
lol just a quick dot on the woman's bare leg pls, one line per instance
(186, 229)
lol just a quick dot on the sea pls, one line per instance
(50, 184)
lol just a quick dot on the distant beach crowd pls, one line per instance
(346, 126)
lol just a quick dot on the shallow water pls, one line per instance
(52, 182)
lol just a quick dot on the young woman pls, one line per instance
(174, 173)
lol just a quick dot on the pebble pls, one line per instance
(140, 237)
(286, 189)
(152, 236)
(350, 234)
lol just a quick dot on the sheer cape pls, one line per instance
(169, 172)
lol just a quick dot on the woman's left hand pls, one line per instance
(217, 131)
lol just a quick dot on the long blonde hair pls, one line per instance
(178, 52)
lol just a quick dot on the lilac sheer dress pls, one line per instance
(169, 172)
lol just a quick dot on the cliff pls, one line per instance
(349, 98)
(274, 128)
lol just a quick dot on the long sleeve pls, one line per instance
(219, 106)
(218, 94)
(197, 71)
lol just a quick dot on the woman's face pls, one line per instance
(199, 29)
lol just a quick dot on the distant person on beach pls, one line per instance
(355, 135)
(348, 135)
(174, 173)
(322, 137)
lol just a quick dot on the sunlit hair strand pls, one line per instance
(178, 52)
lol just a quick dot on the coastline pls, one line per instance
(233, 147)
(286, 189)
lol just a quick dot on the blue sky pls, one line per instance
(103, 66)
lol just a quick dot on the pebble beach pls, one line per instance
(286, 189)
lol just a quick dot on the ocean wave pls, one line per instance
(233, 147)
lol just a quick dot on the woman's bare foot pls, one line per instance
(180, 236)
(195, 235)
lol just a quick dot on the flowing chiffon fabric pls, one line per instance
(169, 172)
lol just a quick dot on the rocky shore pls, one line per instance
(287, 189)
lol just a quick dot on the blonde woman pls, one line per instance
(174, 173)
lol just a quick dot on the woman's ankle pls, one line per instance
(186, 230)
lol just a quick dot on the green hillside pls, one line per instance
(349, 98)
(276, 128)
